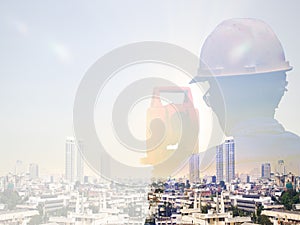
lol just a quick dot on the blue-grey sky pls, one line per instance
(47, 46)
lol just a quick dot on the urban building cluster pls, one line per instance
(54, 200)
(235, 202)
(224, 198)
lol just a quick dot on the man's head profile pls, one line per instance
(245, 64)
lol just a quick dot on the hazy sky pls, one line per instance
(47, 46)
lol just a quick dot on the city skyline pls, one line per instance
(224, 171)
(168, 200)
(150, 112)
(40, 55)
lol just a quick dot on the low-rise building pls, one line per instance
(282, 217)
(212, 218)
(17, 217)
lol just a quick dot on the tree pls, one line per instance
(288, 198)
(238, 212)
(259, 210)
(94, 208)
(36, 220)
(235, 211)
(264, 220)
(256, 216)
(60, 212)
(11, 198)
(204, 209)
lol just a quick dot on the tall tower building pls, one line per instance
(70, 159)
(266, 170)
(219, 163)
(19, 168)
(225, 157)
(194, 168)
(80, 162)
(33, 171)
(281, 168)
(230, 159)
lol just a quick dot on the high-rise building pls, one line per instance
(74, 153)
(33, 171)
(70, 159)
(230, 159)
(19, 168)
(194, 168)
(219, 163)
(226, 149)
(80, 162)
(266, 170)
(281, 168)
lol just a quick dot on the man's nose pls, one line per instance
(206, 98)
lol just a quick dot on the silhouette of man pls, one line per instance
(244, 63)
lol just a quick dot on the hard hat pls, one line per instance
(241, 47)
